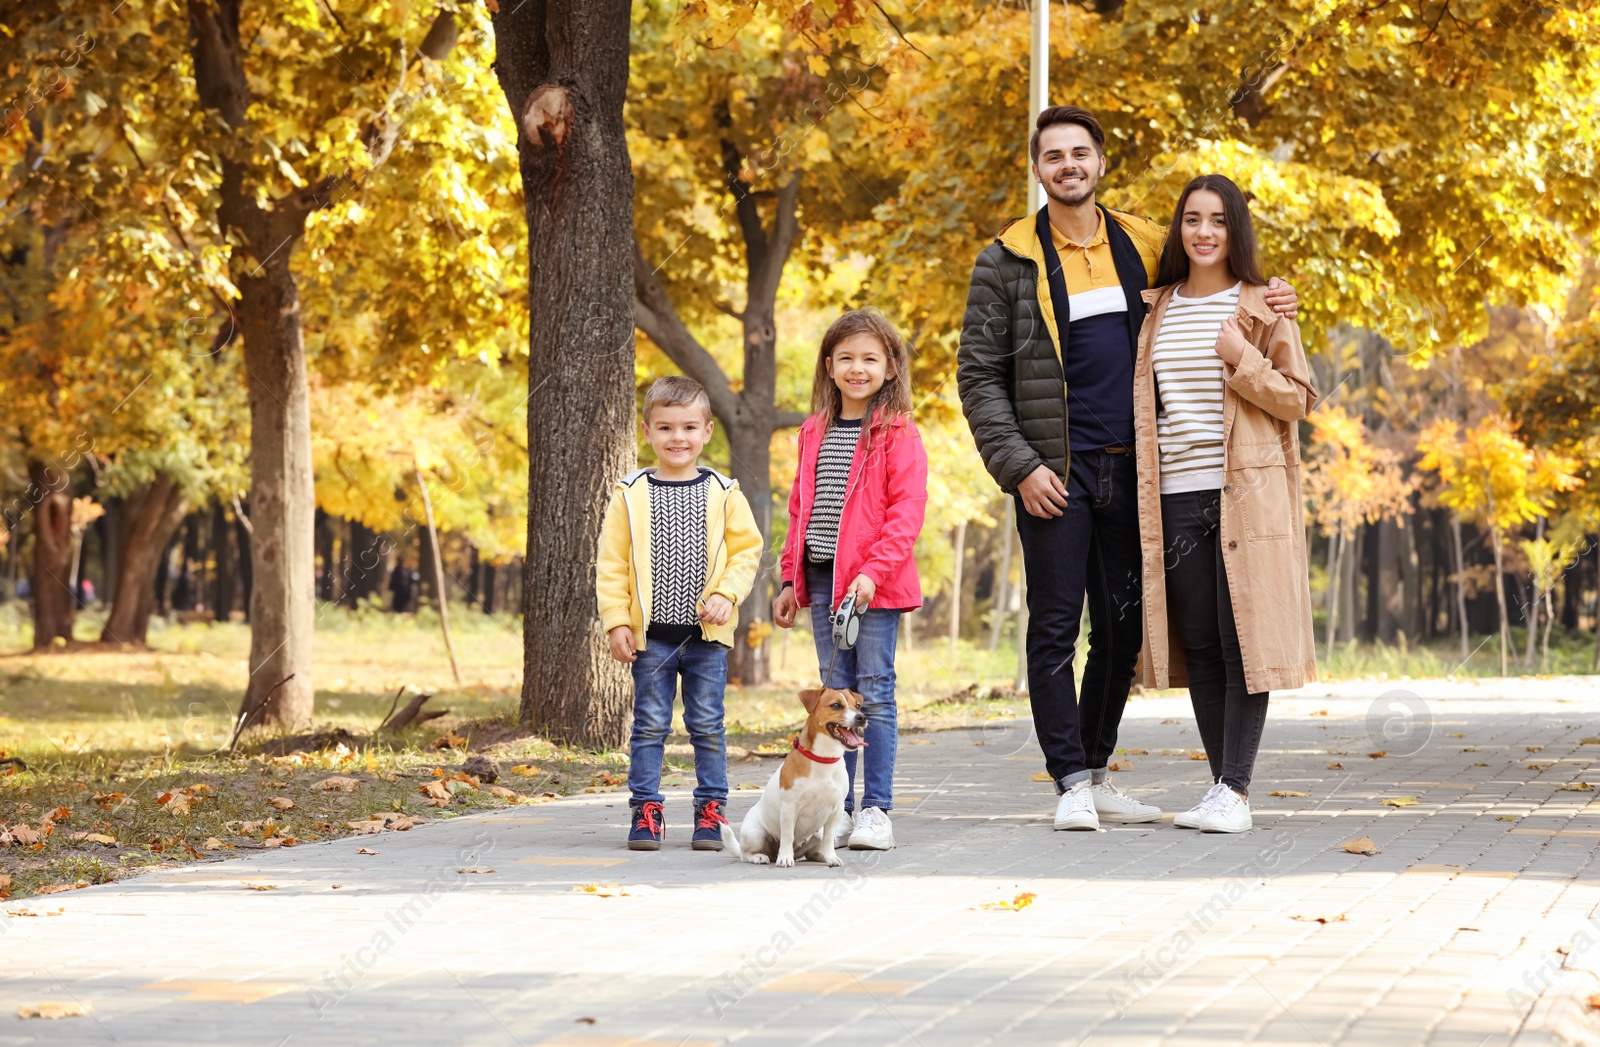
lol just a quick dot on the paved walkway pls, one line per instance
(1136, 935)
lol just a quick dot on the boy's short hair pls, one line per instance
(676, 391)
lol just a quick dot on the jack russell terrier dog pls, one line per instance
(804, 800)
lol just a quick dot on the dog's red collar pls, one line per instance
(808, 754)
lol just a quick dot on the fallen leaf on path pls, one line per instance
(1320, 712)
(503, 792)
(909, 741)
(451, 740)
(1400, 801)
(526, 769)
(1455, 734)
(1120, 765)
(1535, 748)
(1287, 792)
(1506, 818)
(365, 850)
(5, 881)
(481, 871)
(341, 782)
(1336, 766)
(611, 890)
(1360, 845)
(1576, 787)
(260, 886)
(1042, 776)
(382, 820)
(52, 1010)
(282, 803)
(212, 843)
(1197, 754)
(1590, 741)
(1169, 721)
(747, 786)
(279, 841)
(108, 800)
(1593, 1001)
(1540, 766)
(60, 814)
(434, 790)
(1380, 754)
(1017, 904)
(1138, 752)
(1470, 749)
(1340, 918)
(62, 888)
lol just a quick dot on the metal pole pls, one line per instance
(1038, 87)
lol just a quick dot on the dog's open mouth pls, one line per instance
(845, 736)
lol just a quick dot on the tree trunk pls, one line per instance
(222, 551)
(955, 586)
(322, 536)
(1530, 617)
(750, 454)
(432, 547)
(1386, 581)
(147, 522)
(1410, 580)
(362, 565)
(563, 66)
(241, 534)
(1336, 544)
(53, 604)
(1002, 589)
(282, 501)
(1461, 581)
(1500, 593)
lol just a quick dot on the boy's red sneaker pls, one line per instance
(649, 826)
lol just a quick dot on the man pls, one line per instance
(1046, 378)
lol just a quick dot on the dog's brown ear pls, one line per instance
(809, 699)
(860, 698)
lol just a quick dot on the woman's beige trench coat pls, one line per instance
(1263, 534)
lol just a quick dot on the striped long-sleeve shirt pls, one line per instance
(834, 459)
(1189, 379)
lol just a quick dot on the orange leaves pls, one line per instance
(1360, 845)
(342, 783)
(182, 800)
(282, 803)
(1015, 904)
(377, 823)
(50, 1009)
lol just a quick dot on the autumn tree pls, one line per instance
(1489, 474)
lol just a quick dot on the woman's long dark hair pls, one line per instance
(1244, 257)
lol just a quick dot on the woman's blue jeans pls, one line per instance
(867, 669)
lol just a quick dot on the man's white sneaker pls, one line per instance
(1228, 813)
(1113, 805)
(1076, 808)
(872, 832)
(841, 832)
(1190, 819)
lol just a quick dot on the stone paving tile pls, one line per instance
(1142, 935)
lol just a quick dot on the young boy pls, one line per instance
(678, 551)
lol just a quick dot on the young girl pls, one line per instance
(855, 511)
(1220, 382)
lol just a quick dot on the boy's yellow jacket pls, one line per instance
(622, 575)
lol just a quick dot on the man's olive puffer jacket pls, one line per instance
(1005, 346)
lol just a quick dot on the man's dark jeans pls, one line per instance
(1199, 606)
(1093, 549)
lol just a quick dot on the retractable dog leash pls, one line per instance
(846, 623)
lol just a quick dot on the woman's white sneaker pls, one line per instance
(1113, 805)
(1190, 819)
(872, 832)
(1228, 813)
(1076, 808)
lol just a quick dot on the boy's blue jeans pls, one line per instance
(703, 665)
(867, 669)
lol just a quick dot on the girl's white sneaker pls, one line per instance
(1190, 819)
(841, 833)
(873, 832)
(1228, 813)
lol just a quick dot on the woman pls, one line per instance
(1220, 383)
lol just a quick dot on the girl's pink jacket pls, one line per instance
(883, 507)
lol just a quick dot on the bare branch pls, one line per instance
(764, 279)
(654, 315)
(901, 32)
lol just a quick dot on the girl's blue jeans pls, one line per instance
(703, 666)
(867, 669)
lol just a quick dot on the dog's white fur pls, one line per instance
(801, 817)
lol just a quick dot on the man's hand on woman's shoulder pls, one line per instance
(1282, 297)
